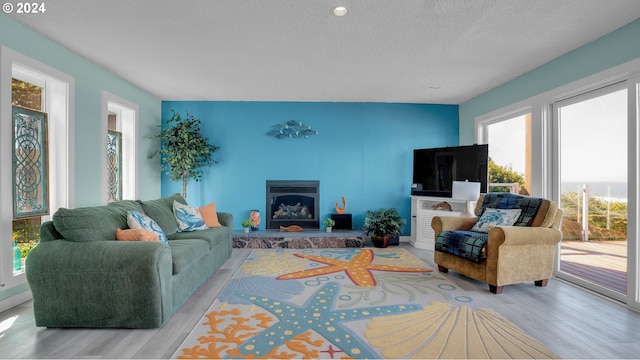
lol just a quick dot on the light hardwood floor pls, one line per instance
(568, 320)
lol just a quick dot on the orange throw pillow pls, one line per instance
(209, 214)
(136, 235)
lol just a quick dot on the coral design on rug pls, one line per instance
(357, 269)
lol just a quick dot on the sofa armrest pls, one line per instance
(225, 219)
(100, 283)
(447, 223)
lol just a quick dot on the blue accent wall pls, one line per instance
(363, 151)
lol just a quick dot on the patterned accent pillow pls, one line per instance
(496, 217)
(188, 217)
(138, 220)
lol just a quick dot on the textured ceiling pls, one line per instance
(414, 51)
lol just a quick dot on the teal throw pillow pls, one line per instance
(138, 220)
(496, 217)
(188, 217)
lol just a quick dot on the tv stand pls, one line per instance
(422, 213)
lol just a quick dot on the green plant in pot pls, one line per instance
(383, 225)
(246, 223)
(329, 224)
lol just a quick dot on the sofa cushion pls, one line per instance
(161, 210)
(467, 244)
(496, 217)
(138, 220)
(211, 235)
(188, 217)
(185, 253)
(95, 223)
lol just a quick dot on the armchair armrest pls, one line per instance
(446, 223)
(516, 254)
(100, 283)
(519, 235)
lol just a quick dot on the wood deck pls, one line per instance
(601, 262)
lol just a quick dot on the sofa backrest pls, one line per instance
(94, 223)
(161, 210)
(97, 223)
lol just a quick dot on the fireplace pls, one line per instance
(293, 202)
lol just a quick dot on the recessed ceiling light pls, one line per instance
(339, 11)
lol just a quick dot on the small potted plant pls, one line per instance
(383, 225)
(246, 224)
(329, 223)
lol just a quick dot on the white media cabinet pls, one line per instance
(422, 212)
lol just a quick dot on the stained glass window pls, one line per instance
(31, 183)
(114, 166)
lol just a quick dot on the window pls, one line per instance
(38, 87)
(593, 186)
(120, 167)
(583, 134)
(509, 139)
(114, 165)
(25, 231)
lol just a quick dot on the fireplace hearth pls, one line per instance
(293, 202)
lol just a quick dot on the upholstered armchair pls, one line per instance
(511, 251)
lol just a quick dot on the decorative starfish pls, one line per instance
(358, 269)
(316, 314)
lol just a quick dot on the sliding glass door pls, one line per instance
(591, 135)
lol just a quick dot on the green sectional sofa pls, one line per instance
(80, 276)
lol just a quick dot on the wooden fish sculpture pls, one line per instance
(291, 228)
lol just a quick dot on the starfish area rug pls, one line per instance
(350, 303)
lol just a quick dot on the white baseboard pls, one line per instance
(15, 300)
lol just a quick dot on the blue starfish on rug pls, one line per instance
(318, 315)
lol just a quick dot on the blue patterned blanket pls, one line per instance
(467, 244)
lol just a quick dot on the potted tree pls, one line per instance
(383, 225)
(183, 150)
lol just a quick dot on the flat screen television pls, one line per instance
(434, 170)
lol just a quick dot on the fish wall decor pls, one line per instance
(292, 129)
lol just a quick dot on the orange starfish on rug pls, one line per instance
(358, 269)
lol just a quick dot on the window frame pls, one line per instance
(544, 151)
(59, 104)
(127, 123)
